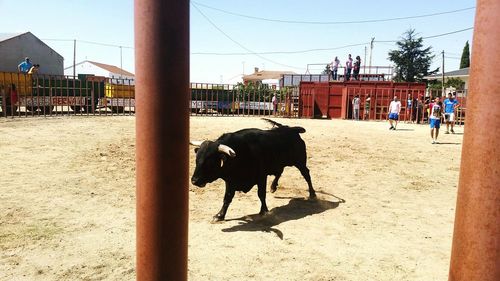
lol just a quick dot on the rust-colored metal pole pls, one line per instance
(475, 253)
(162, 131)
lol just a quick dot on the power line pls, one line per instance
(239, 44)
(428, 37)
(448, 33)
(104, 44)
(250, 52)
(280, 52)
(385, 42)
(194, 3)
(90, 42)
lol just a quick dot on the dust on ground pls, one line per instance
(67, 204)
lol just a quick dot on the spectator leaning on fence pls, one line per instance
(450, 104)
(24, 66)
(34, 69)
(394, 110)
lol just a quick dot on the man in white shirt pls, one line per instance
(335, 68)
(394, 109)
(436, 111)
(348, 68)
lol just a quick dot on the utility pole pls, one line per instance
(371, 49)
(364, 66)
(442, 76)
(74, 58)
(121, 63)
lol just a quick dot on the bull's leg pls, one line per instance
(274, 184)
(305, 173)
(261, 191)
(228, 197)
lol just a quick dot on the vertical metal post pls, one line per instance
(475, 253)
(442, 76)
(121, 62)
(162, 71)
(371, 50)
(74, 59)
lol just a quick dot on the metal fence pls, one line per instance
(415, 104)
(23, 95)
(225, 100)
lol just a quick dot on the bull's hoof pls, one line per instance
(217, 219)
(312, 195)
(263, 213)
(273, 189)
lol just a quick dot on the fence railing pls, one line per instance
(23, 95)
(223, 100)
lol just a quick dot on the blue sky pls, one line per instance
(215, 31)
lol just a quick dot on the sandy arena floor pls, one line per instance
(67, 204)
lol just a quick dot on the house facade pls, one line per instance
(462, 74)
(14, 47)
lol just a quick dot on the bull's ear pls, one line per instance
(196, 150)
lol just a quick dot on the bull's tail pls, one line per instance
(274, 123)
(297, 129)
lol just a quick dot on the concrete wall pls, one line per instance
(14, 50)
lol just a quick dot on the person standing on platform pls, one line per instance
(348, 68)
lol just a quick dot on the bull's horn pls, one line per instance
(227, 150)
(195, 143)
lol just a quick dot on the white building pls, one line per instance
(14, 47)
(100, 69)
(462, 74)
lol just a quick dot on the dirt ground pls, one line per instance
(67, 204)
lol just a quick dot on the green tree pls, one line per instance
(465, 60)
(456, 83)
(412, 60)
(327, 70)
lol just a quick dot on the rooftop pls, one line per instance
(111, 68)
(464, 72)
(265, 74)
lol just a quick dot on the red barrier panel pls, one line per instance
(334, 99)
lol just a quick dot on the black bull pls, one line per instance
(245, 158)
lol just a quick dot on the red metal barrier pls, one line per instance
(334, 99)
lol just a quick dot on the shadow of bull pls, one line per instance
(297, 208)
